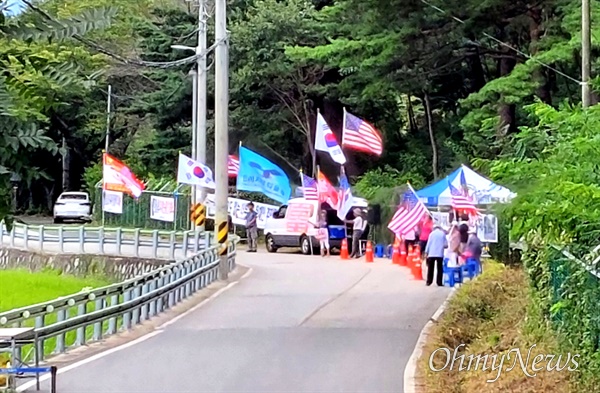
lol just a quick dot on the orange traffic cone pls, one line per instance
(402, 261)
(396, 258)
(416, 266)
(369, 253)
(410, 257)
(344, 250)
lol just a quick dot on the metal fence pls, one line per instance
(91, 315)
(101, 240)
(571, 293)
(136, 212)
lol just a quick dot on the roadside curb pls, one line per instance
(410, 371)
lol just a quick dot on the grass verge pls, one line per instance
(19, 288)
(490, 317)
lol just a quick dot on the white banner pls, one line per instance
(162, 208)
(487, 228)
(237, 209)
(112, 201)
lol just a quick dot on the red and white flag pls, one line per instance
(233, 166)
(409, 214)
(116, 176)
(327, 192)
(359, 134)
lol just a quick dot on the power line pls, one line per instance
(504, 44)
(141, 63)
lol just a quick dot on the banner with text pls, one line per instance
(112, 201)
(238, 208)
(297, 216)
(162, 208)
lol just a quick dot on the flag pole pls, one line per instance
(314, 153)
(343, 127)
(102, 190)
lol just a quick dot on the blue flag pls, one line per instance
(256, 173)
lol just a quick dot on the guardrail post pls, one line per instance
(112, 322)
(196, 242)
(144, 308)
(118, 240)
(127, 315)
(39, 323)
(152, 304)
(207, 240)
(61, 315)
(26, 236)
(101, 240)
(82, 239)
(12, 235)
(160, 302)
(136, 311)
(98, 325)
(61, 240)
(154, 243)
(172, 246)
(41, 237)
(80, 340)
(186, 243)
(136, 242)
(172, 277)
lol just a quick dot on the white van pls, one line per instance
(280, 232)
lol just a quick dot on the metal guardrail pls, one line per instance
(92, 314)
(67, 239)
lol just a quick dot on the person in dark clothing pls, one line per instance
(463, 229)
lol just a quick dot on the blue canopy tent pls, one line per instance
(482, 190)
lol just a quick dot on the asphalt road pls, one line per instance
(296, 324)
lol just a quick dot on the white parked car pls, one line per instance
(279, 234)
(73, 206)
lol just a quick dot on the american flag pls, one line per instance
(233, 166)
(361, 135)
(408, 215)
(461, 201)
(309, 188)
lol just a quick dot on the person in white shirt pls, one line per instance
(358, 228)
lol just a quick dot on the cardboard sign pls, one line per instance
(297, 217)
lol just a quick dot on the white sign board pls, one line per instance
(112, 201)
(487, 228)
(162, 208)
(237, 209)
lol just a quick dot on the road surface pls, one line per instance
(295, 324)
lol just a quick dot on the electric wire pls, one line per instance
(505, 44)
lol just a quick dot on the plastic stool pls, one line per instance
(379, 251)
(452, 275)
(465, 272)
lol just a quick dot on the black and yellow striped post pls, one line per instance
(222, 231)
(198, 215)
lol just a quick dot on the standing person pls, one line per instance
(474, 246)
(322, 233)
(251, 227)
(409, 239)
(426, 229)
(453, 246)
(434, 252)
(358, 227)
(463, 228)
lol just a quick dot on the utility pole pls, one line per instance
(194, 75)
(108, 118)
(221, 132)
(586, 44)
(201, 104)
